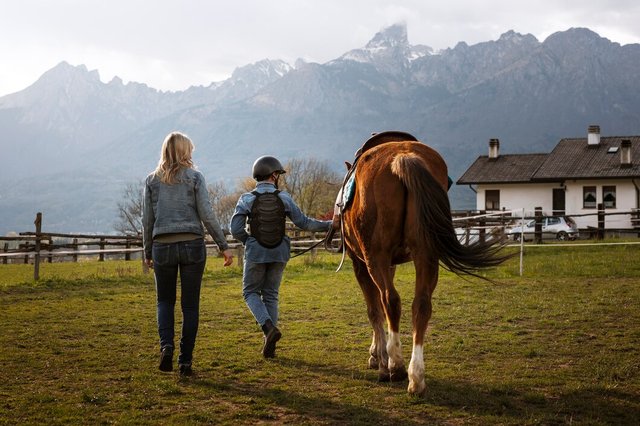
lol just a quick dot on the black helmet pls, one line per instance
(265, 166)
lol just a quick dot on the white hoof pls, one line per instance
(416, 372)
(416, 388)
(373, 363)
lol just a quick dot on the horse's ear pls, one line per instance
(348, 164)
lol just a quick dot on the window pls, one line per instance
(609, 197)
(553, 221)
(589, 197)
(492, 199)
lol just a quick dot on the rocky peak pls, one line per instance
(388, 51)
(62, 81)
(390, 37)
(264, 70)
(577, 41)
(511, 37)
(65, 73)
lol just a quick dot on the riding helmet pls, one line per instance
(265, 166)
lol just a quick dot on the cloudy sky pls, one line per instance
(174, 44)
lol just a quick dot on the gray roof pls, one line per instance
(506, 168)
(575, 159)
(572, 158)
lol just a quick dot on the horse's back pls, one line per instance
(383, 213)
(382, 156)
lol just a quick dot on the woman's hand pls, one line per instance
(149, 263)
(228, 257)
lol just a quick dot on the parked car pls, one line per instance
(558, 227)
(468, 236)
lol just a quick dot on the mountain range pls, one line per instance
(71, 143)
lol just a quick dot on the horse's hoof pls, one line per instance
(398, 375)
(373, 363)
(384, 377)
(417, 389)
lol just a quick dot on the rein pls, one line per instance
(308, 249)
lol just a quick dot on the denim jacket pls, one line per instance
(179, 208)
(256, 253)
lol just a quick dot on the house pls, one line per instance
(574, 179)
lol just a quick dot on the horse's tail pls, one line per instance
(434, 224)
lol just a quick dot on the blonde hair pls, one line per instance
(174, 156)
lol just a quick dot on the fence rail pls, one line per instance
(38, 246)
(471, 226)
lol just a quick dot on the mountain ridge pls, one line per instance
(526, 92)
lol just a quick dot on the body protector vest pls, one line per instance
(267, 219)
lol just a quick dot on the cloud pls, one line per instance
(172, 45)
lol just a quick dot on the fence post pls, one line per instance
(127, 255)
(75, 247)
(101, 259)
(600, 234)
(36, 258)
(522, 244)
(241, 256)
(538, 228)
(50, 256)
(6, 250)
(481, 226)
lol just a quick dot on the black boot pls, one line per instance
(185, 370)
(166, 359)
(271, 337)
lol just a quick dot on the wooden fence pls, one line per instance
(481, 224)
(38, 246)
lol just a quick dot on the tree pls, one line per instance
(312, 185)
(223, 203)
(130, 209)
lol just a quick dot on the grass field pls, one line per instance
(560, 345)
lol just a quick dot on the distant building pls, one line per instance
(577, 176)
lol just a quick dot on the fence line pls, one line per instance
(626, 243)
(295, 245)
(39, 245)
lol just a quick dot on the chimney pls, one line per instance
(593, 138)
(494, 148)
(625, 153)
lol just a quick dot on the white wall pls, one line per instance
(532, 195)
(626, 199)
(518, 196)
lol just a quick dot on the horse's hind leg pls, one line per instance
(382, 274)
(426, 280)
(378, 358)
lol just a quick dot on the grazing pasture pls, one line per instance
(559, 345)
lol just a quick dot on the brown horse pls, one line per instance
(400, 212)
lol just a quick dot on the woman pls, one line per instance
(176, 204)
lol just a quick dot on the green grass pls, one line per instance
(559, 345)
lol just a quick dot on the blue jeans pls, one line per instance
(188, 258)
(260, 287)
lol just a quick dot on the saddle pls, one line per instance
(383, 137)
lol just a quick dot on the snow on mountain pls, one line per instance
(389, 50)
